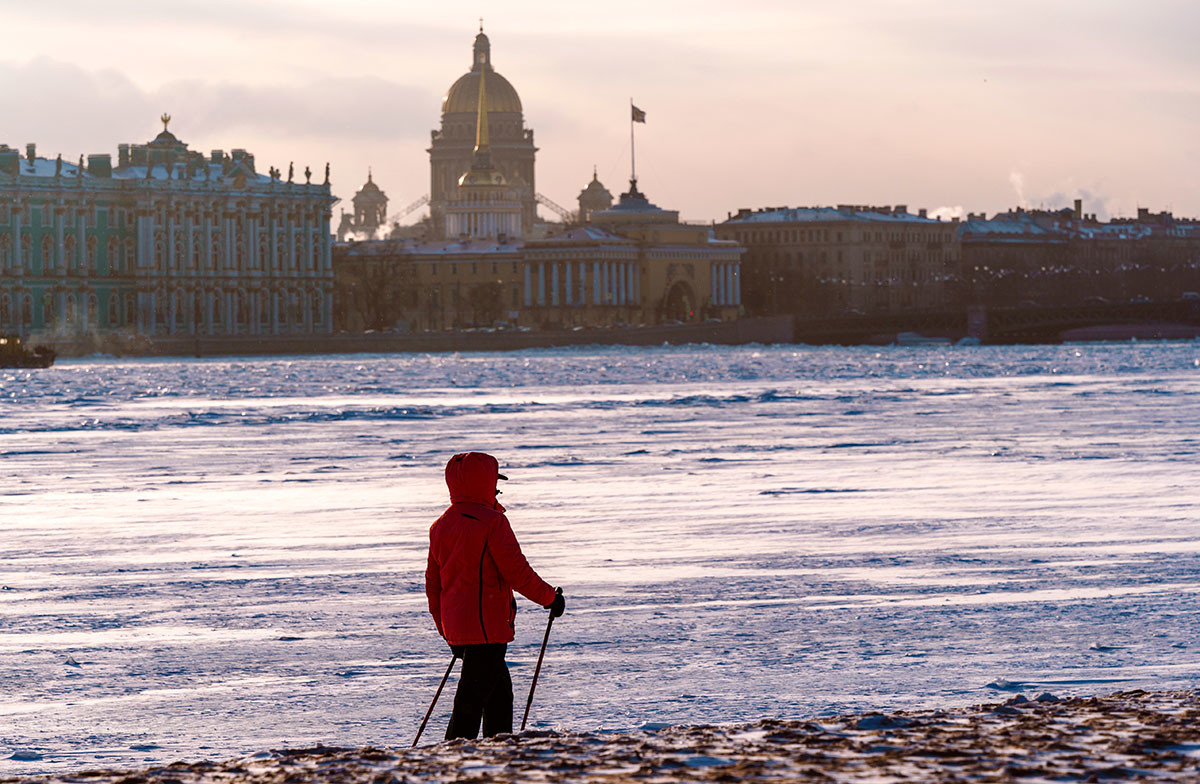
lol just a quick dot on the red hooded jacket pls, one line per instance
(475, 561)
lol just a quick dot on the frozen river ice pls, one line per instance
(208, 558)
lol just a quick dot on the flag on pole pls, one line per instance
(638, 114)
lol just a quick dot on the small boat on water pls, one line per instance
(15, 354)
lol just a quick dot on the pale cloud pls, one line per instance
(923, 102)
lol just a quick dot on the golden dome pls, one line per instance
(463, 95)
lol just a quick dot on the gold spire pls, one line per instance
(482, 171)
(481, 122)
(165, 119)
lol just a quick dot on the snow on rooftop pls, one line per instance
(51, 168)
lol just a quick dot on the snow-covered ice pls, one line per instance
(209, 558)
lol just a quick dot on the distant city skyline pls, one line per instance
(956, 107)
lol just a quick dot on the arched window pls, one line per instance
(89, 257)
(130, 315)
(5, 310)
(93, 311)
(27, 310)
(47, 310)
(47, 254)
(114, 250)
(6, 263)
(114, 310)
(70, 263)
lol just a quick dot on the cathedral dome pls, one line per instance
(463, 95)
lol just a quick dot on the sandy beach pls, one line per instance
(1128, 736)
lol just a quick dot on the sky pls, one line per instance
(953, 105)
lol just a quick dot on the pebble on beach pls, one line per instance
(1130, 736)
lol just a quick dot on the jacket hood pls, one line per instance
(471, 478)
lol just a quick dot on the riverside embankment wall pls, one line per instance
(753, 330)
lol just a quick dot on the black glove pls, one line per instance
(458, 650)
(557, 606)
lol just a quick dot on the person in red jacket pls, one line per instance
(474, 565)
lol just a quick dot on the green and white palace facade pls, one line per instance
(166, 243)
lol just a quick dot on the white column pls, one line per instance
(327, 266)
(209, 261)
(81, 256)
(230, 244)
(310, 256)
(145, 241)
(291, 245)
(737, 284)
(170, 241)
(59, 261)
(17, 245)
(189, 230)
(252, 244)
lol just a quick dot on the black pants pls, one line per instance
(484, 692)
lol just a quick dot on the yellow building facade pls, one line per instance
(629, 263)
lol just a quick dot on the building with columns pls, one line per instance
(629, 263)
(844, 260)
(633, 264)
(452, 147)
(169, 242)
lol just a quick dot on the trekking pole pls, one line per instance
(436, 694)
(537, 670)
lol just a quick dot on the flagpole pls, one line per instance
(632, 155)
